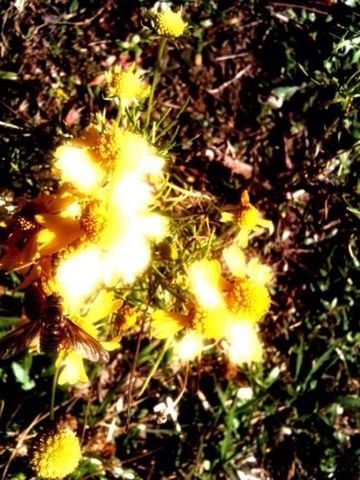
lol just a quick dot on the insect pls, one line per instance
(52, 329)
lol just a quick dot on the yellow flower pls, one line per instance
(57, 454)
(93, 219)
(247, 218)
(245, 293)
(127, 318)
(207, 323)
(169, 23)
(128, 152)
(78, 167)
(126, 84)
(40, 227)
(247, 299)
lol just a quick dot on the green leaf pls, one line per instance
(317, 364)
(350, 401)
(22, 375)
(5, 75)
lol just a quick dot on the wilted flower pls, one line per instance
(57, 454)
(168, 23)
(126, 84)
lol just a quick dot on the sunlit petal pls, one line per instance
(72, 369)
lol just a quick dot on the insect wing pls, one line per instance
(17, 340)
(77, 339)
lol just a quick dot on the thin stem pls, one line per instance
(155, 78)
(53, 391)
(120, 112)
(155, 366)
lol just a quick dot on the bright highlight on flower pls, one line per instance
(243, 343)
(78, 275)
(126, 260)
(190, 346)
(56, 455)
(205, 277)
(78, 168)
(125, 84)
(169, 23)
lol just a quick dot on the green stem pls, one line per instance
(155, 78)
(155, 366)
(120, 113)
(53, 391)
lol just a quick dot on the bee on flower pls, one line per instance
(168, 23)
(70, 363)
(247, 218)
(126, 84)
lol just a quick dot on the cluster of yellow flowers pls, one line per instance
(96, 234)
(226, 299)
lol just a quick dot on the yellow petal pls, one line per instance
(242, 238)
(103, 306)
(214, 324)
(245, 199)
(205, 281)
(266, 224)
(227, 217)
(259, 272)
(244, 344)
(73, 370)
(166, 324)
(58, 232)
(111, 345)
(235, 260)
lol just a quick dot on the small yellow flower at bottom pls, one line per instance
(57, 454)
